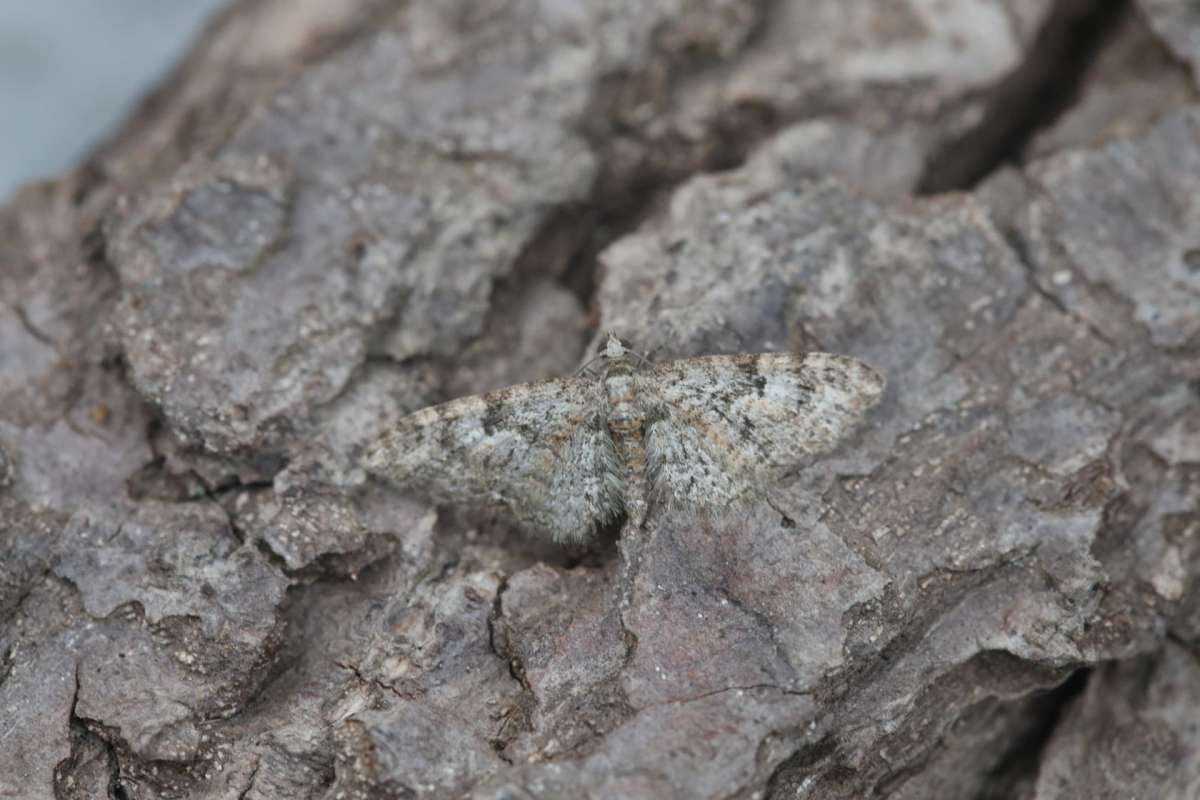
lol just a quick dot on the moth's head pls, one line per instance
(613, 348)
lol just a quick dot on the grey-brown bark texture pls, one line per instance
(336, 213)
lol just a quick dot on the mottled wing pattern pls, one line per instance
(542, 450)
(717, 427)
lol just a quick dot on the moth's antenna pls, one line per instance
(585, 365)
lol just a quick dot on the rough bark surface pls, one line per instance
(333, 214)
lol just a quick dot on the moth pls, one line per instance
(571, 455)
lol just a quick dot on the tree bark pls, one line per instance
(332, 215)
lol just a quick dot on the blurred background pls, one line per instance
(71, 69)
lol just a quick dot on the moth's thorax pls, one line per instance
(620, 391)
